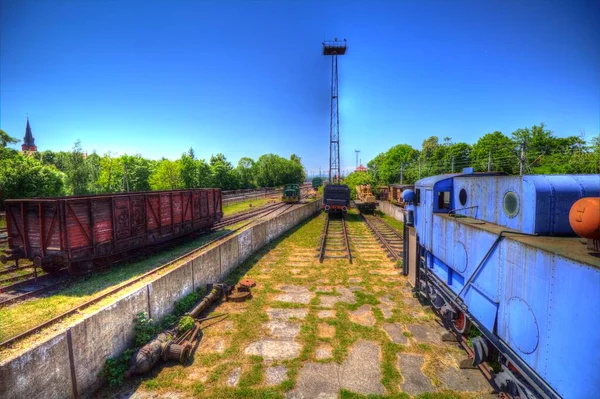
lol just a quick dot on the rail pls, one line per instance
(391, 239)
(335, 240)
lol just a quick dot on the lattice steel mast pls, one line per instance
(333, 49)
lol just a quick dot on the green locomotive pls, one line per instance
(317, 182)
(291, 193)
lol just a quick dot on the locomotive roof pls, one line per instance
(567, 247)
(430, 181)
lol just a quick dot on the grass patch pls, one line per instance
(25, 315)
(270, 267)
(395, 223)
(247, 205)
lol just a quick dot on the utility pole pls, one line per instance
(452, 163)
(402, 173)
(490, 161)
(419, 169)
(522, 161)
(357, 151)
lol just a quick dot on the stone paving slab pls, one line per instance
(275, 375)
(324, 314)
(286, 314)
(283, 329)
(415, 382)
(316, 380)
(324, 351)
(234, 377)
(464, 380)
(295, 294)
(323, 288)
(363, 316)
(272, 349)
(395, 333)
(360, 373)
(426, 333)
(386, 310)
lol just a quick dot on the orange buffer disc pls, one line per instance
(248, 283)
(584, 218)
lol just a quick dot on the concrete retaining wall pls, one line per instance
(68, 364)
(390, 209)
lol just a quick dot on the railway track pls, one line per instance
(334, 240)
(390, 238)
(3, 235)
(240, 217)
(231, 220)
(32, 287)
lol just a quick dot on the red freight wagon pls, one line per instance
(81, 231)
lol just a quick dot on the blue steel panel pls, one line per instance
(449, 238)
(555, 194)
(482, 308)
(572, 356)
(429, 182)
(544, 201)
(523, 322)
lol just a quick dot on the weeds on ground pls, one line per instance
(270, 267)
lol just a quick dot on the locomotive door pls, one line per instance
(428, 219)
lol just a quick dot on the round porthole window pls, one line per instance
(462, 196)
(511, 204)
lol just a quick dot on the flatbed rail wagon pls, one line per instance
(80, 232)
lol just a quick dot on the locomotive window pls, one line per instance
(511, 204)
(418, 196)
(462, 196)
(444, 200)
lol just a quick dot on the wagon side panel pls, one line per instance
(165, 213)
(78, 234)
(103, 225)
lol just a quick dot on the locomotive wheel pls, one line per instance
(462, 324)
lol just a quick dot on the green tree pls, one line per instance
(78, 174)
(223, 174)
(189, 169)
(245, 170)
(166, 176)
(205, 177)
(5, 139)
(357, 178)
(136, 172)
(503, 152)
(25, 177)
(391, 166)
(110, 177)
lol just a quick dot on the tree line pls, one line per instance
(534, 150)
(57, 173)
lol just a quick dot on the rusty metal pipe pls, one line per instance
(215, 294)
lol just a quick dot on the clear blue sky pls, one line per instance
(247, 77)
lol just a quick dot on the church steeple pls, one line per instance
(28, 140)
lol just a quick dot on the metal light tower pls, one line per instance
(333, 49)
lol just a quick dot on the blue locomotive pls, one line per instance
(498, 252)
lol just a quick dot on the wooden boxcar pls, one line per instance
(81, 231)
(395, 193)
